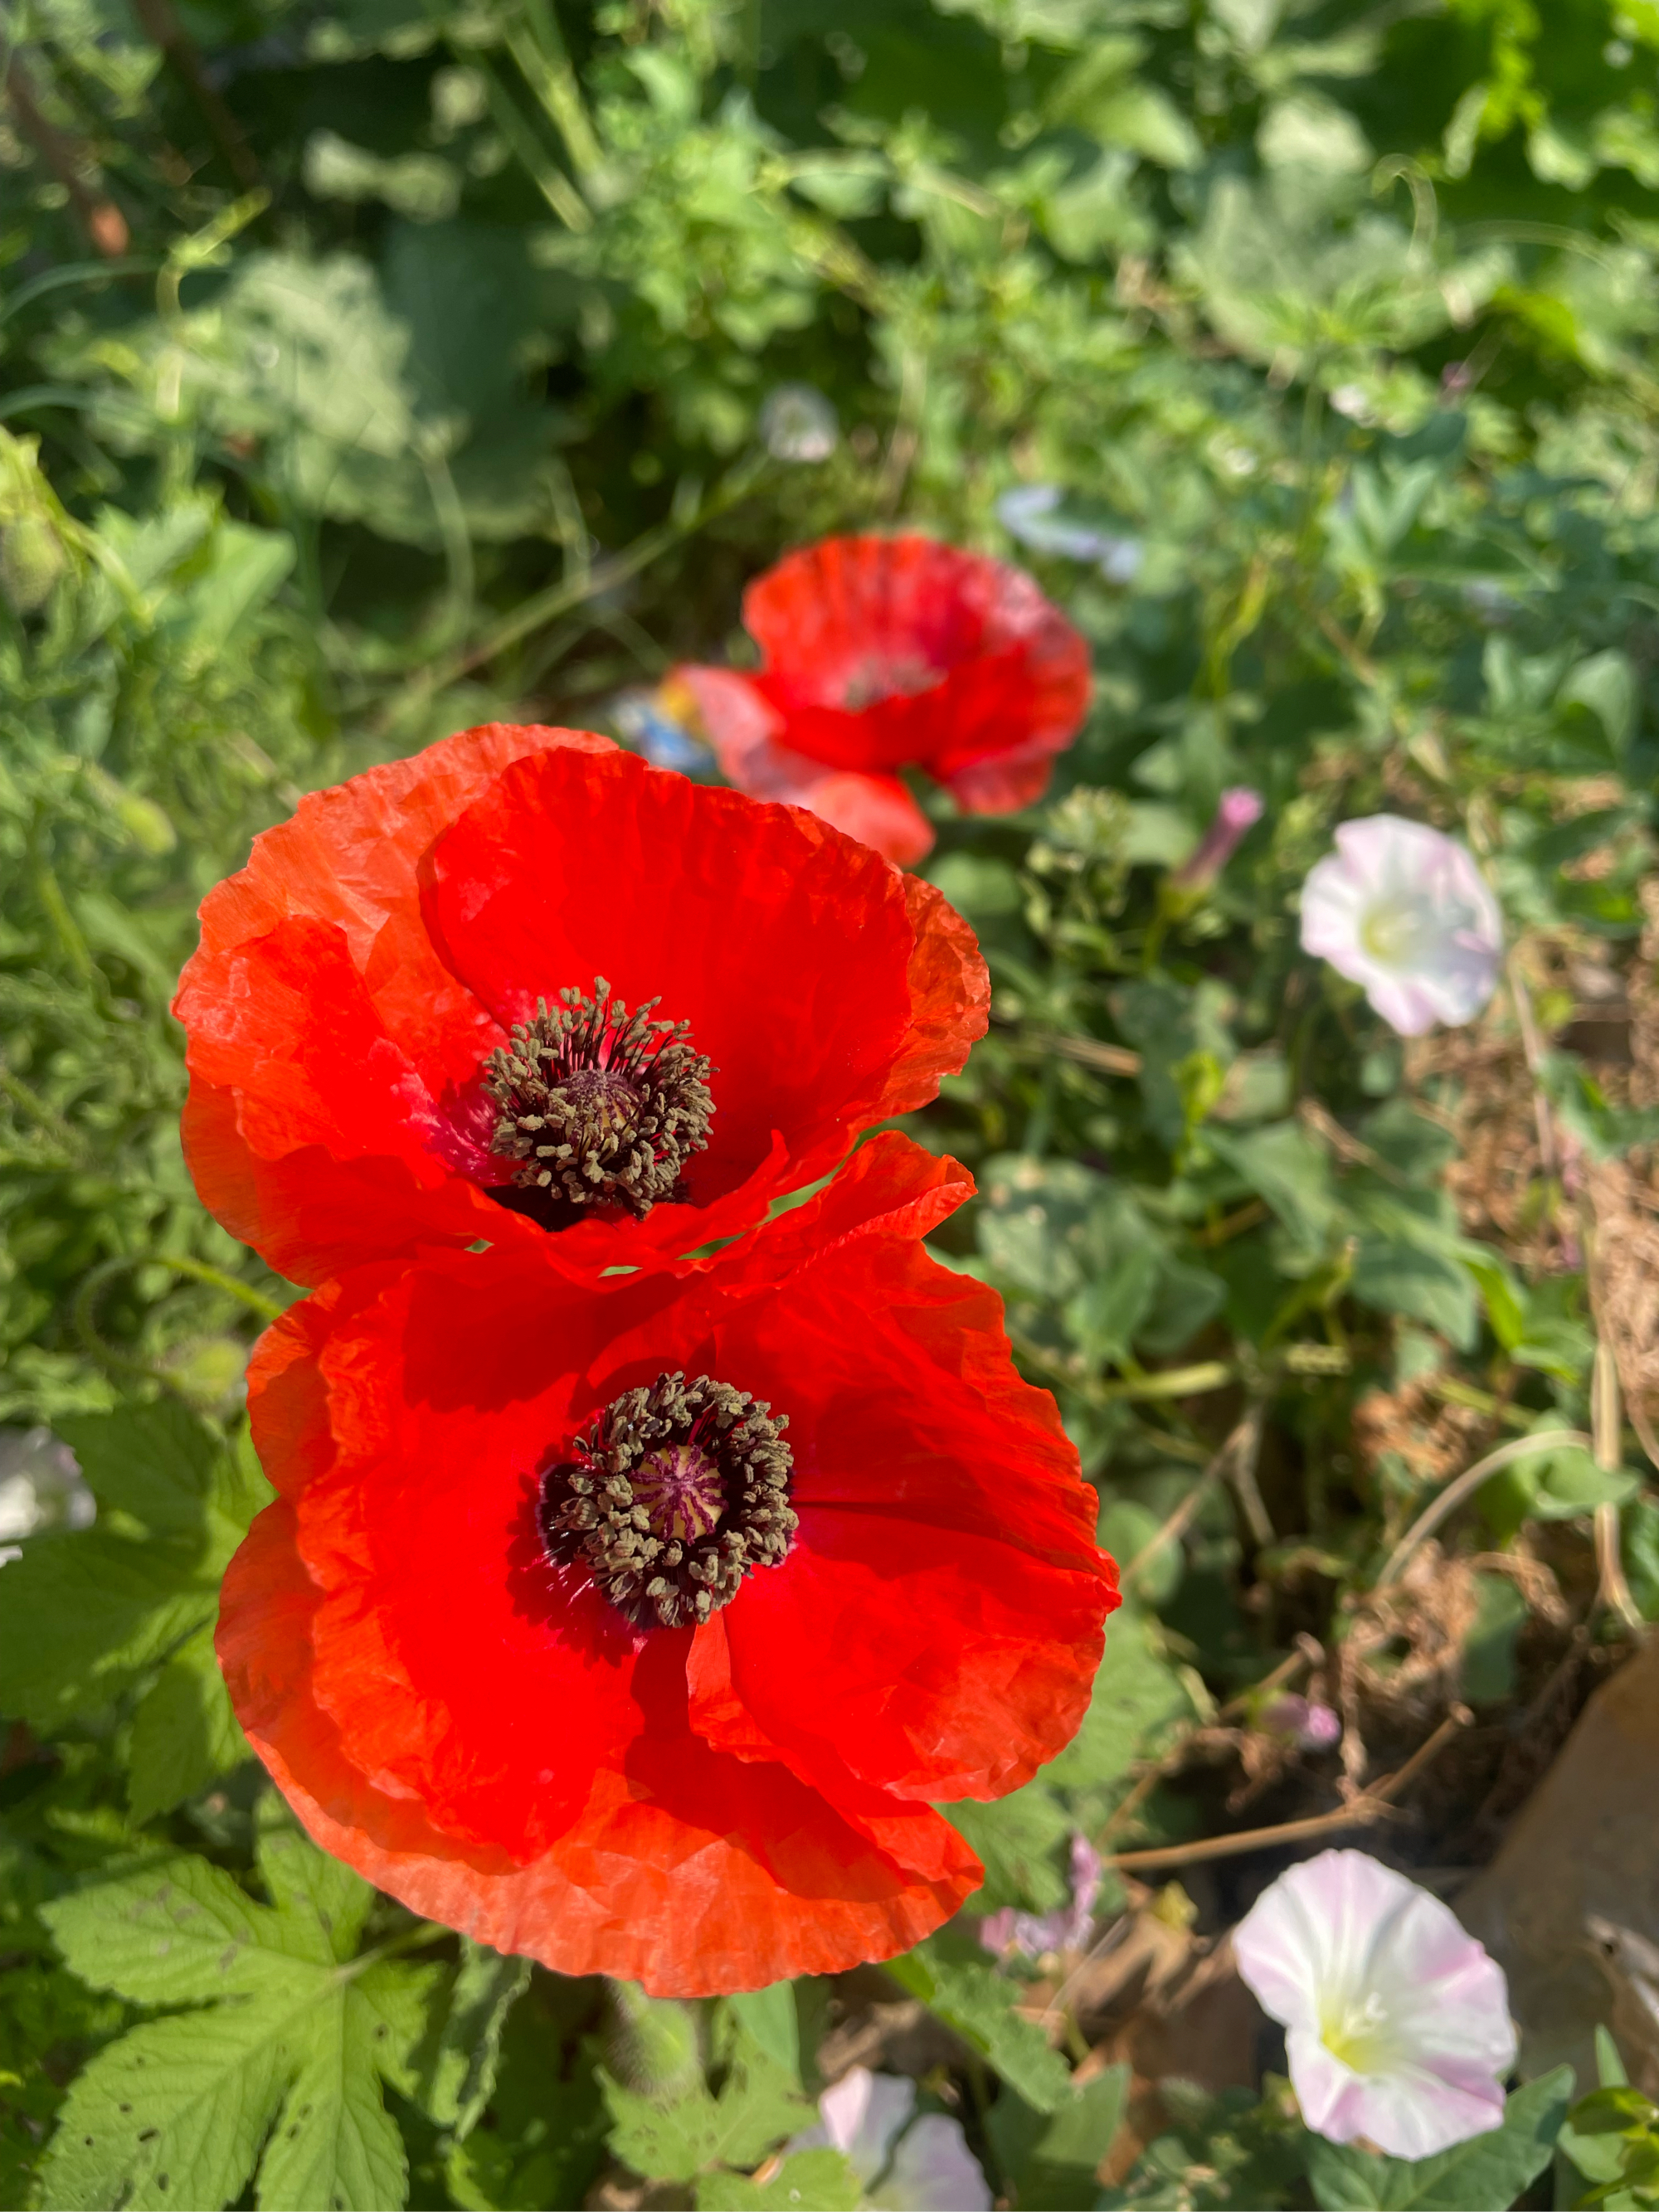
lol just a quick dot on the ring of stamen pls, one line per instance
(599, 1106)
(671, 1498)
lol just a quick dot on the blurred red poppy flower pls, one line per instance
(638, 1633)
(880, 652)
(524, 986)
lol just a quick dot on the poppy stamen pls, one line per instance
(599, 1106)
(671, 1498)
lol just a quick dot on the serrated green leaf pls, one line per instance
(323, 1901)
(1488, 2171)
(176, 1931)
(334, 2143)
(292, 2040)
(979, 2003)
(173, 2113)
(759, 2104)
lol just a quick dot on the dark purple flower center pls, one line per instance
(671, 1498)
(597, 1107)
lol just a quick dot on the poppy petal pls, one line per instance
(880, 651)
(477, 1729)
(339, 1111)
(805, 1043)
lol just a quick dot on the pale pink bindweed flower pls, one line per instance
(1034, 1935)
(1396, 2022)
(1405, 911)
(904, 2164)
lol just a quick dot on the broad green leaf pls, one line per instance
(1017, 1838)
(1136, 1696)
(291, 2041)
(759, 2104)
(1398, 1278)
(770, 2016)
(1489, 2170)
(807, 2181)
(1288, 1168)
(979, 2003)
(1051, 2159)
(184, 1733)
(89, 1612)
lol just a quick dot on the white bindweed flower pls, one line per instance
(1397, 2023)
(905, 2165)
(1406, 912)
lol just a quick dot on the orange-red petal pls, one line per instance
(353, 978)
(477, 1729)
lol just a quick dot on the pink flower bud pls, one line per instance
(1240, 809)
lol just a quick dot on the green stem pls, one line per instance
(123, 1363)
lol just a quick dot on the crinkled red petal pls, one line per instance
(335, 1113)
(788, 950)
(743, 729)
(315, 953)
(487, 1738)
(880, 651)
(692, 1879)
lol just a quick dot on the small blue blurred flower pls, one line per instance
(1029, 512)
(643, 720)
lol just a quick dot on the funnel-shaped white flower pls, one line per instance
(1397, 2023)
(904, 2164)
(1404, 911)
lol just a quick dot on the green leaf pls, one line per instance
(1488, 2171)
(1136, 1696)
(292, 2039)
(758, 2104)
(979, 2003)
(1399, 1278)
(89, 1612)
(1017, 1838)
(1050, 2159)
(807, 2181)
(770, 2016)
(458, 2072)
(1489, 1643)
(185, 1732)
(1285, 1166)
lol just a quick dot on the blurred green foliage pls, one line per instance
(368, 370)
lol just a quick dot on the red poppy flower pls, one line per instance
(878, 652)
(423, 1012)
(638, 1632)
